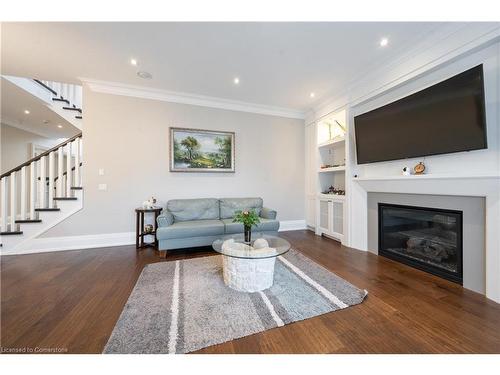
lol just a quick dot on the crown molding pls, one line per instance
(446, 43)
(117, 88)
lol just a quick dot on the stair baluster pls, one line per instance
(77, 162)
(32, 190)
(60, 167)
(68, 169)
(23, 194)
(13, 201)
(51, 180)
(41, 184)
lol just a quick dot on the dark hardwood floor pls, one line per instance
(72, 300)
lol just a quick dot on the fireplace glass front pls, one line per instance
(426, 238)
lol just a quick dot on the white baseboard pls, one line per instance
(49, 244)
(292, 225)
(42, 245)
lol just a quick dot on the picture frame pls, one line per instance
(199, 150)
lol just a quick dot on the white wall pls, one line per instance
(128, 138)
(16, 146)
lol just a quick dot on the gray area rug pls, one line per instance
(183, 306)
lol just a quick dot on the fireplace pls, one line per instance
(429, 239)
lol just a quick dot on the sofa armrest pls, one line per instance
(165, 219)
(267, 213)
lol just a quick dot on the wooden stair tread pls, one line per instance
(25, 221)
(61, 100)
(76, 188)
(73, 109)
(65, 198)
(11, 233)
(47, 209)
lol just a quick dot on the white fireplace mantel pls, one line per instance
(487, 186)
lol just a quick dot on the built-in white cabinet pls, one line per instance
(331, 214)
(326, 168)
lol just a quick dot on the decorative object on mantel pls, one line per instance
(406, 171)
(249, 219)
(195, 150)
(334, 191)
(419, 168)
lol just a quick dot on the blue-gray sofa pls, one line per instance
(199, 222)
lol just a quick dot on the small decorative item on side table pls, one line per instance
(249, 219)
(142, 230)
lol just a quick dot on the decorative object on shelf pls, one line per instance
(406, 171)
(195, 150)
(334, 191)
(419, 168)
(331, 137)
(323, 166)
(142, 230)
(341, 126)
(249, 219)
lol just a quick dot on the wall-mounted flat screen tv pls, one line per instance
(446, 117)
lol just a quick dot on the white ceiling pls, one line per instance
(278, 64)
(15, 100)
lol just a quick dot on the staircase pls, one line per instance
(40, 193)
(63, 98)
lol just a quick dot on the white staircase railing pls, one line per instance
(38, 183)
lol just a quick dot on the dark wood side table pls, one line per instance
(139, 228)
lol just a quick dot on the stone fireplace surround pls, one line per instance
(477, 196)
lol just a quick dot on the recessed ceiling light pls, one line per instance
(133, 62)
(236, 81)
(26, 112)
(59, 126)
(45, 122)
(144, 75)
(384, 42)
(312, 95)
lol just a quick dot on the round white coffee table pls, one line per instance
(249, 266)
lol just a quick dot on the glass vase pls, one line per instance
(248, 233)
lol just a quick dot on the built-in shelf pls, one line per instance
(332, 169)
(331, 142)
(329, 147)
(426, 177)
(334, 197)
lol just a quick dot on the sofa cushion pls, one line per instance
(194, 209)
(194, 228)
(229, 206)
(265, 225)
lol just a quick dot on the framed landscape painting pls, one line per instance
(195, 150)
